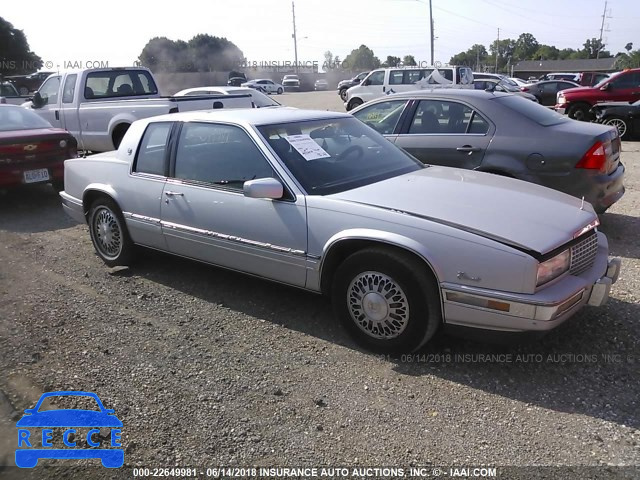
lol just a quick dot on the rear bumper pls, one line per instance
(539, 312)
(13, 175)
(73, 207)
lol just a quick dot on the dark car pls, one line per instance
(545, 90)
(28, 83)
(624, 116)
(31, 150)
(503, 134)
(236, 81)
(345, 85)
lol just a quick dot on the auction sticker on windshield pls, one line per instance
(307, 147)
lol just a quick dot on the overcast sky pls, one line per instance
(117, 31)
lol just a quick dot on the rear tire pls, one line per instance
(386, 302)
(621, 124)
(343, 94)
(280, 90)
(109, 233)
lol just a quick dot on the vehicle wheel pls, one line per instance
(109, 233)
(620, 124)
(579, 111)
(280, 91)
(58, 185)
(385, 302)
(353, 103)
(343, 94)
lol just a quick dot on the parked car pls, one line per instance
(31, 150)
(494, 76)
(9, 94)
(385, 81)
(236, 81)
(505, 135)
(518, 81)
(546, 91)
(97, 106)
(291, 82)
(620, 87)
(499, 85)
(265, 85)
(321, 84)
(344, 85)
(624, 116)
(258, 98)
(28, 83)
(322, 202)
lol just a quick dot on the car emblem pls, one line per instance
(30, 148)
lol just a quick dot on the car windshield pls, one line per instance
(534, 111)
(18, 118)
(334, 155)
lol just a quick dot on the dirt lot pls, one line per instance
(208, 368)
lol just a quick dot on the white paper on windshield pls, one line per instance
(307, 147)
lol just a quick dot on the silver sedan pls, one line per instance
(320, 201)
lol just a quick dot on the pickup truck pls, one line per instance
(97, 106)
(620, 87)
(9, 94)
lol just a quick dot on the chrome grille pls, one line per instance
(583, 254)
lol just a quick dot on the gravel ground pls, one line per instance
(206, 367)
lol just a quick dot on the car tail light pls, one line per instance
(524, 89)
(595, 158)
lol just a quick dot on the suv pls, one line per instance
(620, 87)
(291, 82)
(345, 85)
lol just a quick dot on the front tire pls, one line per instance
(620, 124)
(280, 91)
(385, 301)
(343, 94)
(109, 233)
(353, 103)
(579, 111)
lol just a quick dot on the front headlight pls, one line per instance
(553, 268)
(561, 100)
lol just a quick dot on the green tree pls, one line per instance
(545, 52)
(474, 57)
(16, 58)
(629, 46)
(409, 61)
(328, 61)
(391, 61)
(525, 47)
(628, 60)
(361, 58)
(594, 48)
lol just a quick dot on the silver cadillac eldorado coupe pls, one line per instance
(320, 201)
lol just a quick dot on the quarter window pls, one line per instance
(151, 153)
(395, 77)
(219, 154)
(383, 116)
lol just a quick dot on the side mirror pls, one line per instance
(263, 188)
(37, 100)
(356, 80)
(606, 87)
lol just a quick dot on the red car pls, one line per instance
(620, 87)
(31, 150)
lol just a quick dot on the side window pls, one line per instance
(627, 80)
(382, 117)
(413, 76)
(395, 77)
(438, 116)
(478, 124)
(49, 90)
(376, 78)
(151, 153)
(69, 88)
(219, 154)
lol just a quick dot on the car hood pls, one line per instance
(69, 418)
(513, 212)
(577, 90)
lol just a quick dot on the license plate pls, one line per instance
(33, 176)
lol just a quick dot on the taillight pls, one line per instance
(524, 89)
(595, 158)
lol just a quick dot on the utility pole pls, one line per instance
(497, 50)
(295, 40)
(431, 28)
(604, 14)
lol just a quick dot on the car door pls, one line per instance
(49, 91)
(206, 216)
(446, 132)
(548, 91)
(373, 86)
(624, 87)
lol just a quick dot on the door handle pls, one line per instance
(174, 194)
(469, 149)
(57, 113)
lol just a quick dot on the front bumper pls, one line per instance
(544, 310)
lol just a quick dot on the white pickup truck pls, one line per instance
(97, 106)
